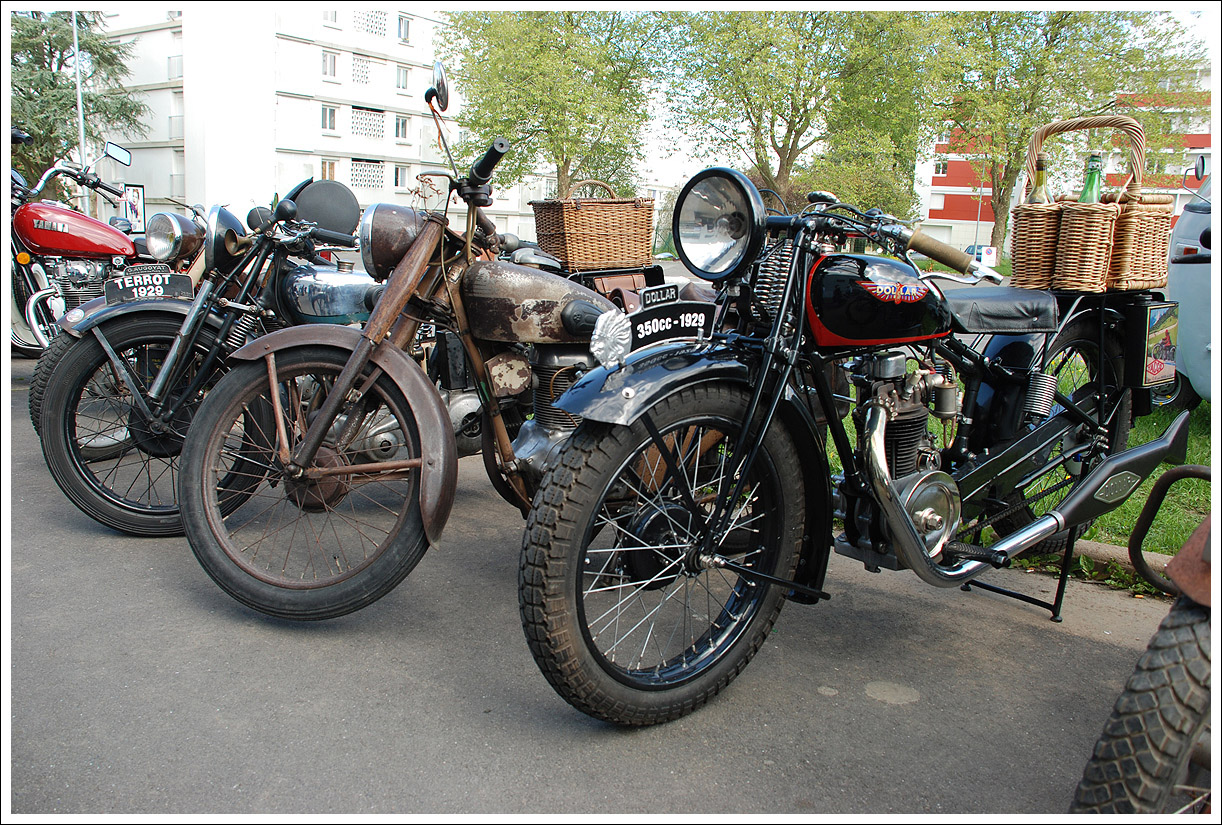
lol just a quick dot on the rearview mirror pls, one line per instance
(440, 90)
(117, 152)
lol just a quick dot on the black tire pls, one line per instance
(1176, 395)
(47, 360)
(300, 550)
(704, 624)
(1076, 360)
(96, 442)
(1147, 759)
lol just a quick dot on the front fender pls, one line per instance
(439, 472)
(96, 311)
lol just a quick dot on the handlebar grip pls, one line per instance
(940, 252)
(333, 238)
(114, 190)
(481, 170)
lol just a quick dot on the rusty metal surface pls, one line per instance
(507, 302)
(386, 232)
(509, 373)
(1190, 569)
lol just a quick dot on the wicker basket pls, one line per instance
(1119, 244)
(596, 233)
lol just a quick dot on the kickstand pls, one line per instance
(1053, 606)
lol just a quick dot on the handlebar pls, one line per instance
(481, 170)
(106, 187)
(331, 237)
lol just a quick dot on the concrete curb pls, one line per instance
(1109, 552)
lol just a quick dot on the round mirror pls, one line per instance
(440, 88)
(719, 223)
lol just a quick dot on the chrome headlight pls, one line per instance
(226, 239)
(719, 223)
(171, 236)
(386, 233)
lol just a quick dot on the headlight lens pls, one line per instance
(171, 236)
(718, 224)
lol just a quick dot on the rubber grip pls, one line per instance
(481, 170)
(334, 238)
(118, 193)
(942, 253)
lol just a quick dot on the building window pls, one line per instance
(402, 76)
(326, 169)
(329, 60)
(360, 70)
(368, 122)
(403, 126)
(330, 18)
(328, 118)
(367, 174)
(405, 28)
(403, 176)
(940, 167)
(937, 202)
(370, 22)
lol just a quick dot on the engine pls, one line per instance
(78, 280)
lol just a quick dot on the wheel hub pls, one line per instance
(314, 495)
(157, 438)
(666, 533)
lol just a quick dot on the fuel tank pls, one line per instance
(859, 300)
(54, 229)
(314, 294)
(511, 303)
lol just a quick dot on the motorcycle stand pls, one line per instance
(1055, 605)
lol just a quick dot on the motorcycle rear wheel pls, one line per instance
(1075, 358)
(295, 549)
(1148, 759)
(108, 462)
(624, 623)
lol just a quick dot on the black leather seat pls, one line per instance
(1002, 309)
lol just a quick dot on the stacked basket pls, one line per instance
(1119, 244)
(596, 233)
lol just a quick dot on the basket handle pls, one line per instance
(582, 183)
(1126, 124)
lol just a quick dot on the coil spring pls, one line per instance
(770, 277)
(240, 331)
(1041, 393)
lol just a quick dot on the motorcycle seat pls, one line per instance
(1002, 309)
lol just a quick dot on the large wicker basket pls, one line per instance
(1119, 244)
(596, 233)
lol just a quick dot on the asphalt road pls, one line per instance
(138, 687)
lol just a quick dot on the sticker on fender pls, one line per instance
(136, 286)
(683, 319)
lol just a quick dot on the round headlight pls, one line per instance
(224, 242)
(387, 230)
(170, 236)
(719, 223)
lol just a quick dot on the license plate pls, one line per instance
(679, 319)
(139, 283)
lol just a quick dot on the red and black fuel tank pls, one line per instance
(52, 229)
(859, 300)
(517, 304)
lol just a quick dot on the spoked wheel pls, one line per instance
(303, 548)
(114, 464)
(1080, 368)
(625, 619)
(1153, 755)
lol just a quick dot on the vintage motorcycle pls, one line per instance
(116, 390)
(346, 449)
(698, 494)
(1154, 753)
(61, 258)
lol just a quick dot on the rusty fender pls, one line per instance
(439, 471)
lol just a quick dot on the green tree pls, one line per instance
(803, 97)
(1003, 74)
(43, 87)
(569, 90)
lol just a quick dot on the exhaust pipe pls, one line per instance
(1106, 487)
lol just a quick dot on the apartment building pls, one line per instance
(957, 206)
(243, 111)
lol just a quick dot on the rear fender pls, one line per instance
(439, 472)
(622, 394)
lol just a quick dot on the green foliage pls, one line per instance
(43, 87)
(805, 99)
(1003, 74)
(569, 89)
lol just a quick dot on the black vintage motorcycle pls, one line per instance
(114, 393)
(345, 448)
(698, 492)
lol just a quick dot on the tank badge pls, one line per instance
(897, 293)
(50, 226)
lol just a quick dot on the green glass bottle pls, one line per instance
(1040, 193)
(1092, 187)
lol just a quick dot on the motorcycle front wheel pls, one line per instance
(298, 548)
(625, 620)
(108, 459)
(1153, 755)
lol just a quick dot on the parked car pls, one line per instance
(976, 249)
(1188, 264)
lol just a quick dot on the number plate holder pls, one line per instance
(677, 319)
(147, 281)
